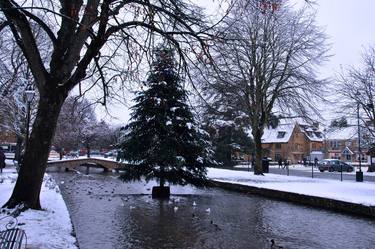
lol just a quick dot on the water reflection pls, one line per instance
(108, 213)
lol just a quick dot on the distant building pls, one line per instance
(342, 143)
(293, 142)
(7, 136)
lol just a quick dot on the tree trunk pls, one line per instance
(257, 134)
(30, 177)
(162, 181)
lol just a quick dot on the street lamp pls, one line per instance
(359, 174)
(29, 93)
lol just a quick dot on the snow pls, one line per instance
(301, 167)
(180, 158)
(349, 191)
(222, 123)
(344, 133)
(270, 135)
(45, 229)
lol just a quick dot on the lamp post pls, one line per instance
(29, 93)
(359, 174)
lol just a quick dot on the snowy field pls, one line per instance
(47, 229)
(349, 191)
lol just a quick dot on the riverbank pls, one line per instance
(348, 196)
(45, 229)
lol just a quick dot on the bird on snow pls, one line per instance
(208, 210)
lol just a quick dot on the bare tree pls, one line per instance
(70, 122)
(267, 64)
(15, 78)
(13, 82)
(86, 37)
(357, 91)
(78, 126)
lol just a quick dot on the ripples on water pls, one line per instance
(108, 213)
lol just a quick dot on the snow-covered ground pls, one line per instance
(50, 228)
(308, 169)
(349, 191)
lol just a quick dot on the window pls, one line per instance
(281, 134)
(334, 144)
(318, 134)
(297, 147)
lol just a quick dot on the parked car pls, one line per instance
(95, 153)
(334, 165)
(73, 154)
(111, 153)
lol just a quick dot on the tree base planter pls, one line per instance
(161, 192)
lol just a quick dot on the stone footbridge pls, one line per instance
(70, 164)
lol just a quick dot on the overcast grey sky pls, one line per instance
(349, 25)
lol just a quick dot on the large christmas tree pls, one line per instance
(163, 140)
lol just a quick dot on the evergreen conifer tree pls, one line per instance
(163, 141)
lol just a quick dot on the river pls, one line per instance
(108, 213)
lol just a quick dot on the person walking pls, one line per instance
(2, 160)
(280, 162)
(285, 163)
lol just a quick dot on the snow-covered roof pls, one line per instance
(343, 133)
(347, 151)
(281, 134)
(312, 133)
